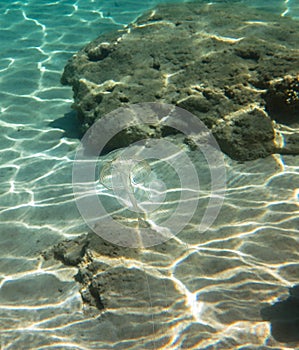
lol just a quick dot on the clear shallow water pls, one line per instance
(249, 256)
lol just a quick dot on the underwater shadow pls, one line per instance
(70, 124)
(284, 317)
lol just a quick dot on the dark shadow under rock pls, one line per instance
(284, 317)
(70, 124)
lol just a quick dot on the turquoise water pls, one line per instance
(40, 303)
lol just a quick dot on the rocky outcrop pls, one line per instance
(114, 277)
(245, 134)
(233, 67)
(80, 252)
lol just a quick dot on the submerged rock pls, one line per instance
(233, 67)
(82, 252)
(112, 277)
(245, 134)
(71, 252)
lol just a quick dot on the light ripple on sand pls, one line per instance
(217, 276)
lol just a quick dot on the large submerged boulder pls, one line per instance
(233, 67)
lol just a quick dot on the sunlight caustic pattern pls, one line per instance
(197, 290)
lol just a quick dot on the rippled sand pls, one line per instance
(213, 283)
